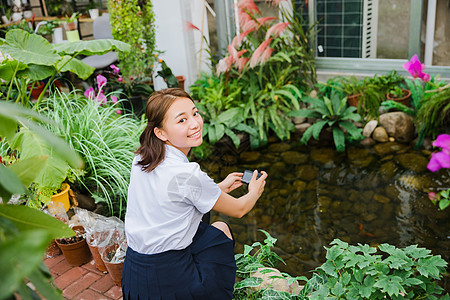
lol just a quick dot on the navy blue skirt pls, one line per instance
(204, 270)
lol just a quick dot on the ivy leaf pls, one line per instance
(329, 269)
(248, 282)
(338, 289)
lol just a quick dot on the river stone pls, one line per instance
(388, 171)
(386, 148)
(312, 185)
(210, 166)
(227, 170)
(277, 169)
(299, 185)
(250, 156)
(420, 183)
(380, 135)
(293, 157)
(279, 147)
(368, 142)
(307, 172)
(301, 128)
(412, 161)
(369, 128)
(324, 156)
(369, 217)
(298, 120)
(398, 125)
(324, 201)
(270, 277)
(359, 157)
(231, 159)
(381, 199)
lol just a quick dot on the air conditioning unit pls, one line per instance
(370, 28)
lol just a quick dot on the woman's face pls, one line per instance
(182, 126)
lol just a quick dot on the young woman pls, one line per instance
(171, 253)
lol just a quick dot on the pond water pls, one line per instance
(314, 195)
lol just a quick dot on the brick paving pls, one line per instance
(82, 283)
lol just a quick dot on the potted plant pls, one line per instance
(399, 95)
(71, 27)
(93, 10)
(113, 257)
(75, 248)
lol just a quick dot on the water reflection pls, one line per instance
(314, 195)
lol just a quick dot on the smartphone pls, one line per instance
(248, 176)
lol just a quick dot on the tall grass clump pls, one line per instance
(104, 138)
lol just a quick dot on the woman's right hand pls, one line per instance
(257, 185)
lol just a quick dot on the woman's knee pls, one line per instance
(224, 227)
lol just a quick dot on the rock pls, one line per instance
(231, 159)
(381, 199)
(325, 156)
(380, 135)
(307, 172)
(277, 284)
(301, 128)
(412, 161)
(85, 201)
(299, 185)
(294, 158)
(391, 139)
(359, 157)
(368, 142)
(398, 125)
(369, 128)
(250, 156)
(383, 149)
(279, 147)
(298, 120)
(388, 171)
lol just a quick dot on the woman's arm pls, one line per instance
(239, 207)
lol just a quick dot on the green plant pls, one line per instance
(73, 17)
(26, 232)
(33, 59)
(48, 28)
(364, 272)
(334, 113)
(167, 75)
(105, 139)
(132, 22)
(258, 256)
(397, 92)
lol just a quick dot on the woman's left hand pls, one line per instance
(231, 182)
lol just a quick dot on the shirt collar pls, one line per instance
(173, 152)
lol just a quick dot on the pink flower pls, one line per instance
(237, 40)
(249, 25)
(248, 5)
(277, 2)
(190, 26)
(101, 98)
(241, 62)
(415, 68)
(239, 53)
(89, 93)
(266, 55)
(440, 159)
(224, 65)
(114, 99)
(120, 79)
(256, 57)
(261, 21)
(116, 70)
(443, 141)
(118, 111)
(131, 78)
(432, 196)
(277, 29)
(101, 81)
(232, 52)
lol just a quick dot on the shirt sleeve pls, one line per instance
(200, 189)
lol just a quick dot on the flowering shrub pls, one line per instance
(100, 97)
(440, 160)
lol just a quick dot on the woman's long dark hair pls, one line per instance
(152, 150)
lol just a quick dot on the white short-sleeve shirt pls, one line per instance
(165, 206)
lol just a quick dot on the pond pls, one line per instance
(314, 194)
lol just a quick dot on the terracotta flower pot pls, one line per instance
(37, 89)
(353, 100)
(114, 269)
(77, 253)
(97, 258)
(403, 100)
(181, 80)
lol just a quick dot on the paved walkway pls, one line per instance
(85, 282)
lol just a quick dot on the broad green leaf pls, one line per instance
(269, 294)
(233, 137)
(220, 131)
(76, 66)
(329, 269)
(29, 48)
(212, 134)
(229, 114)
(10, 181)
(333, 253)
(248, 282)
(243, 127)
(339, 139)
(21, 255)
(317, 128)
(354, 131)
(28, 169)
(9, 67)
(9, 126)
(27, 218)
(14, 111)
(303, 113)
(338, 289)
(93, 47)
(43, 285)
(329, 106)
(38, 72)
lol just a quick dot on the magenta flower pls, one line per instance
(440, 159)
(89, 93)
(116, 70)
(101, 98)
(101, 81)
(114, 99)
(120, 79)
(415, 68)
(118, 111)
(432, 196)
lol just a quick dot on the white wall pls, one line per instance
(181, 47)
